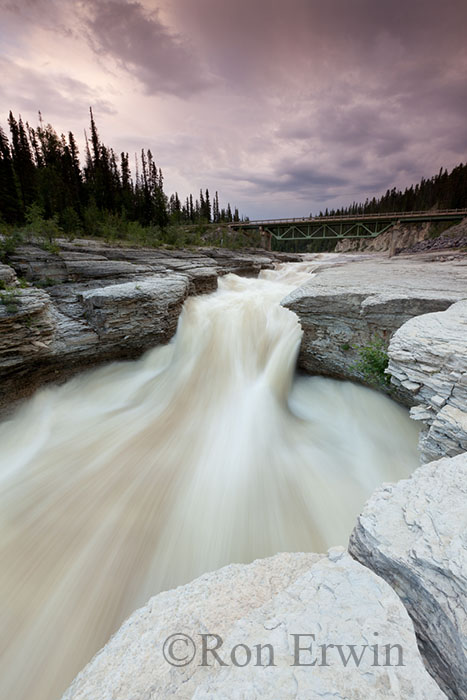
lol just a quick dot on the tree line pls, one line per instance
(41, 172)
(442, 191)
(446, 190)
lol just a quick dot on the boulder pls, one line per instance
(414, 535)
(271, 619)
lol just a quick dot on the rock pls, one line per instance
(404, 235)
(78, 270)
(151, 305)
(453, 237)
(94, 302)
(7, 276)
(428, 356)
(27, 327)
(202, 280)
(414, 535)
(331, 597)
(347, 306)
(409, 238)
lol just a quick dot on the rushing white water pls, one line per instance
(140, 476)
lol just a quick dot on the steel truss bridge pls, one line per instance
(320, 228)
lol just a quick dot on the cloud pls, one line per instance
(137, 39)
(296, 178)
(58, 94)
(282, 105)
(48, 14)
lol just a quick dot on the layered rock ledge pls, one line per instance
(331, 597)
(346, 305)
(414, 535)
(428, 357)
(91, 303)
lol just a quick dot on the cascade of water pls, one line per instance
(140, 476)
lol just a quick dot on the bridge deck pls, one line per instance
(344, 226)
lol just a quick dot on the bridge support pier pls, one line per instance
(265, 238)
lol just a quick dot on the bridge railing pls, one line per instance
(355, 217)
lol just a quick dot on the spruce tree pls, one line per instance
(207, 207)
(11, 210)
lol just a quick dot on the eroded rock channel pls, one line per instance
(405, 581)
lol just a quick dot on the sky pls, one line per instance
(286, 107)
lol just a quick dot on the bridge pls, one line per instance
(318, 228)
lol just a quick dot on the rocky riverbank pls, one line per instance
(87, 302)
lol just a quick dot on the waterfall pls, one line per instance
(139, 476)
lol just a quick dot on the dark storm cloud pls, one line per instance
(297, 176)
(305, 100)
(371, 93)
(248, 38)
(308, 184)
(161, 60)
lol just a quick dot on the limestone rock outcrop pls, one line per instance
(347, 305)
(428, 358)
(152, 304)
(93, 302)
(414, 535)
(27, 327)
(331, 597)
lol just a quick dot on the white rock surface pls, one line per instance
(414, 535)
(267, 602)
(428, 357)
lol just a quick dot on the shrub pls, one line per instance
(373, 361)
(45, 230)
(45, 282)
(10, 239)
(9, 298)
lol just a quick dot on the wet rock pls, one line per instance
(331, 597)
(414, 535)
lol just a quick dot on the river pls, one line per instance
(140, 476)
